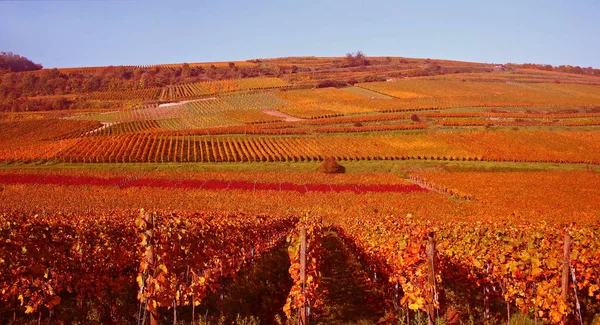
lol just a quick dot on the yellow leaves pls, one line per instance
(555, 316)
(29, 310)
(287, 308)
(143, 266)
(23, 250)
(418, 304)
(152, 305)
(140, 221)
(20, 298)
(552, 263)
(140, 281)
(562, 308)
(502, 258)
(419, 272)
(144, 240)
(592, 289)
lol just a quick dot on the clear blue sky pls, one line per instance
(113, 32)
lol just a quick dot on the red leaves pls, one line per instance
(215, 184)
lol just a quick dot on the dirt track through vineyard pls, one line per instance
(259, 291)
(349, 297)
(286, 117)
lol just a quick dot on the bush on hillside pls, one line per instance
(331, 166)
(331, 83)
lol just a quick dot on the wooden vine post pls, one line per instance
(566, 266)
(150, 257)
(486, 294)
(303, 315)
(431, 279)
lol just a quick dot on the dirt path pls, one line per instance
(287, 118)
(259, 291)
(186, 101)
(350, 298)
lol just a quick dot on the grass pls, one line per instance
(350, 298)
(398, 167)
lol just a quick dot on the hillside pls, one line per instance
(306, 100)
(128, 86)
(200, 193)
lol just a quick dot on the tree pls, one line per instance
(16, 63)
(92, 84)
(331, 166)
(356, 59)
(29, 82)
(185, 70)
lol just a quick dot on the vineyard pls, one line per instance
(183, 259)
(522, 146)
(449, 94)
(302, 190)
(215, 87)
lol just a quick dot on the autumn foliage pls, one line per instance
(331, 166)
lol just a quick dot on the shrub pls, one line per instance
(331, 83)
(331, 166)
(352, 81)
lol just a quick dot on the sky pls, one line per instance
(127, 32)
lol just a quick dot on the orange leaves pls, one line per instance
(179, 146)
(60, 253)
(89, 255)
(395, 248)
(520, 261)
(187, 257)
